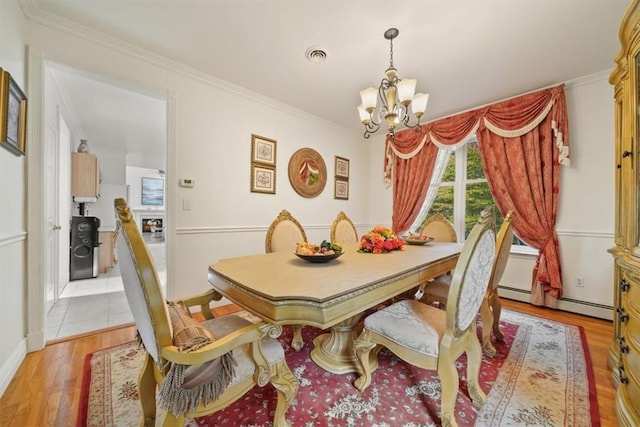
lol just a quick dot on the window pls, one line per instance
(459, 190)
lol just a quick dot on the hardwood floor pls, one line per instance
(46, 389)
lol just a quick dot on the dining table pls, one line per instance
(283, 289)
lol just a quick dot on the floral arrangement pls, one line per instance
(380, 240)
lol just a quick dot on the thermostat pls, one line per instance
(187, 182)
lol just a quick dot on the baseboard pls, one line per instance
(565, 304)
(10, 367)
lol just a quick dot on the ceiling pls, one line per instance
(464, 53)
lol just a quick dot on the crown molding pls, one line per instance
(34, 13)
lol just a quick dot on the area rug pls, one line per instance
(541, 376)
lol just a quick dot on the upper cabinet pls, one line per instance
(624, 357)
(85, 176)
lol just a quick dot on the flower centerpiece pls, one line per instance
(380, 240)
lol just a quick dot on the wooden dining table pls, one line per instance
(282, 289)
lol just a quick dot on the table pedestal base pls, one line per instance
(334, 351)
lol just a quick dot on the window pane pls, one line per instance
(450, 170)
(477, 197)
(474, 164)
(442, 204)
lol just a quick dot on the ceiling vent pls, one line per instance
(316, 54)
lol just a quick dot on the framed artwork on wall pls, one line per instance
(13, 115)
(341, 190)
(307, 172)
(152, 191)
(263, 179)
(263, 150)
(342, 167)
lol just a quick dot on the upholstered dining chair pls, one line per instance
(282, 235)
(430, 338)
(342, 230)
(438, 290)
(198, 368)
(440, 228)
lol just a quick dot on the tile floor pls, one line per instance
(92, 304)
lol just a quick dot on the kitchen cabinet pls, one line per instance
(85, 176)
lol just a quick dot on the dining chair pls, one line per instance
(438, 290)
(192, 368)
(430, 338)
(342, 230)
(440, 228)
(282, 235)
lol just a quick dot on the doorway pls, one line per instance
(126, 130)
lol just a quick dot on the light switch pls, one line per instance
(187, 182)
(186, 204)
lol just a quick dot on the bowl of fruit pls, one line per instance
(318, 253)
(417, 239)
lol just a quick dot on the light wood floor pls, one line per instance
(46, 388)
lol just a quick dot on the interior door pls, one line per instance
(51, 227)
(63, 199)
(56, 193)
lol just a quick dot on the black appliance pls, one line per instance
(84, 248)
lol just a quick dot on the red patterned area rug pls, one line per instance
(541, 375)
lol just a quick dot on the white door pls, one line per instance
(63, 197)
(51, 226)
(56, 194)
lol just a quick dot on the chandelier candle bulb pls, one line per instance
(406, 90)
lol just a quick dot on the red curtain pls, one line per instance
(522, 142)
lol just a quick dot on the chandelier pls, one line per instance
(397, 96)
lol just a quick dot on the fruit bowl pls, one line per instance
(319, 258)
(417, 240)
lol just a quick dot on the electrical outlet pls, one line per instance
(579, 282)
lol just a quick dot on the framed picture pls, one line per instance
(152, 191)
(13, 115)
(263, 150)
(341, 190)
(307, 172)
(152, 225)
(263, 179)
(342, 167)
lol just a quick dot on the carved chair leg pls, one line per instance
(496, 306)
(367, 356)
(297, 342)
(474, 359)
(487, 320)
(286, 385)
(171, 420)
(449, 380)
(147, 387)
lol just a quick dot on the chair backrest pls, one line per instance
(440, 228)
(503, 247)
(342, 230)
(283, 233)
(471, 276)
(141, 284)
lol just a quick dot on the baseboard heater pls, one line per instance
(571, 305)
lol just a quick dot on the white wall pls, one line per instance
(13, 225)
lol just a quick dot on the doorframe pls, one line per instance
(36, 292)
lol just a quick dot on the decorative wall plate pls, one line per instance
(307, 172)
